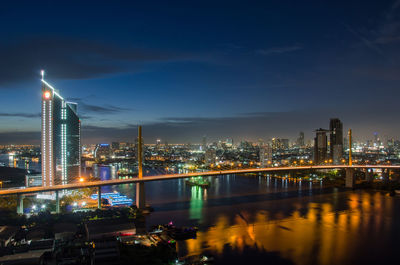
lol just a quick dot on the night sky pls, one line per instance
(184, 69)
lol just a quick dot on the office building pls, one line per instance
(336, 140)
(280, 144)
(204, 144)
(210, 156)
(265, 155)
(300, 140)
(61, 142)
(320, 146)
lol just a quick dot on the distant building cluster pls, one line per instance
(60, 159)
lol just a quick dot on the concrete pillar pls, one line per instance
(349, 177)
(99, 197)
(20, 204)
(369, 175)
(140, 195)
(57, 202)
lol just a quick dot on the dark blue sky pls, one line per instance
(184, 69)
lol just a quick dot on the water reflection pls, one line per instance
(243, 217)
(304, 223)
(196, 202)
(324, 235)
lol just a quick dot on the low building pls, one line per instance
(106, 228)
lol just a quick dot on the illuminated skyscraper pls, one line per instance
(61, 143)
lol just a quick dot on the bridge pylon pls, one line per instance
(350, 151)
(140, 190)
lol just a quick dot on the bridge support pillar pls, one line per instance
(99, 197)
(57, 202)
(140, 195)
(349, 177)
(20, 204)
(369, 175)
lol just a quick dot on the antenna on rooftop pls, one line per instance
(42, 73)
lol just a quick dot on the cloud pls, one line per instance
(386, 31)
(279, 50)
(31, 137)
(243, 126)
(366, 41)
(106, 109)
(71, 58)
(21, 115)
(103, 109)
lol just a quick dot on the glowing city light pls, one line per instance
(47, 94)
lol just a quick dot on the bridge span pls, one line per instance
(140, 197)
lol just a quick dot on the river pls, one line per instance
(252, 219)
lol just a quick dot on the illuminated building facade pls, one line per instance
(265, 155)
(61, 143)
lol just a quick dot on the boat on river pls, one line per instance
(198, 181)
(177, 233)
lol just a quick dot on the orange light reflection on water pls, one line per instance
(320, 236)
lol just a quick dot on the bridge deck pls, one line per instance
(178, 176)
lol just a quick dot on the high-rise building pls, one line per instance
(210, 156)
(280, 144)
(336, 140)
(229, 142)
(61, 141)
(204, 144)
(265, 155)
(300, 140)
(320, 146)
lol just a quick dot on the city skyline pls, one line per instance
(266, 67)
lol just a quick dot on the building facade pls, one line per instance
(336, 140)
(265, 155)
(210, 156)
(61, 143)
(320, 146)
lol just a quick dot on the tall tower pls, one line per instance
(336, 140)
(320, 146)
(300, 140)
(204, 144)
(61, 141)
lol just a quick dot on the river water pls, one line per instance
(252, 219)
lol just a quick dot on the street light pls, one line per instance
(1, 183)
(81, 179)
